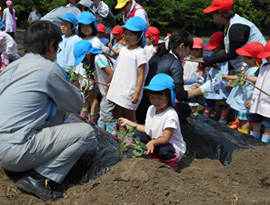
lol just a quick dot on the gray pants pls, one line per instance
(107, 110)
(51, 152)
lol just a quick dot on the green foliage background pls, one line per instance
(167, 14)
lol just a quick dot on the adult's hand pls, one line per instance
(195, 79)
(208, 87)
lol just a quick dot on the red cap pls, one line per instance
(251, 50)
(117, 30)
(266, 51)
(101, 28)
(222, 5)
(154, 33)
(215, 40)
(197, 43)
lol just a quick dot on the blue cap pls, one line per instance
(162, 82)
(70, 18)
(81, 49)
(136, 23)
(87, 18)
(1, 25)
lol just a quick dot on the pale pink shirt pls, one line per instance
(155, 124)
(8, 45)
(124, 81)
(260, 103)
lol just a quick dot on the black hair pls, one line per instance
(139, 35)
(166, 92)
(39, 35)
(93, 26)
(177, 37)
(91, 67)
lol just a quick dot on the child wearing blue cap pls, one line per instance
(161, 132)
(104, 66)
(65, 57)
(130, 74)
(87, 29)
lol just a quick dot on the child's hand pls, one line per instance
(225, 77)
(110, 45)
(134, 98)
(228, 87)
(248, 104)
(244, 74)
(123, 121)
(150, 147)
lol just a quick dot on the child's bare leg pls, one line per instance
(94, 106)
(94, 102)
(267, 131)
(256, 127)
(244, 124)
(121, 113)
(85, 108)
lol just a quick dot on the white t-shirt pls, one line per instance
(65, 58)
(150, 51)
(95, 42)
(124, 80)
(155, 124)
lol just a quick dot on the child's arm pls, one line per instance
(115, 52)
(167, 133)
(252, 79)
(229, 77)
(140, 78)
(108, 70)
(124, 122)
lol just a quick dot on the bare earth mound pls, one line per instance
(144, 181)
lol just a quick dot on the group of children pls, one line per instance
(236, 89)
(116, 69)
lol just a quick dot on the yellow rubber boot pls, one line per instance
(245, 131)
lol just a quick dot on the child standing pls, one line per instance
(216, 45)
(132, 68)
(8, 48)
(161, 132)
(104, 66)
(65, 57)
(117, 32)
(152, 38)
(101, 34)
(240, 95)
(259, 109)
(87, 29)
(192, 69)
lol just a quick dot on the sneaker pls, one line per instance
(38, 185)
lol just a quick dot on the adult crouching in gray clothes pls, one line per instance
(35, 97)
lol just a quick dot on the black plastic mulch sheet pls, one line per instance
(97, 160)
(207, 138)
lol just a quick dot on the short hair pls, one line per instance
(39, 35)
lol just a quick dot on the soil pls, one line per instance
(144, 181)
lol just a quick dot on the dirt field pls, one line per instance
(143, 181)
